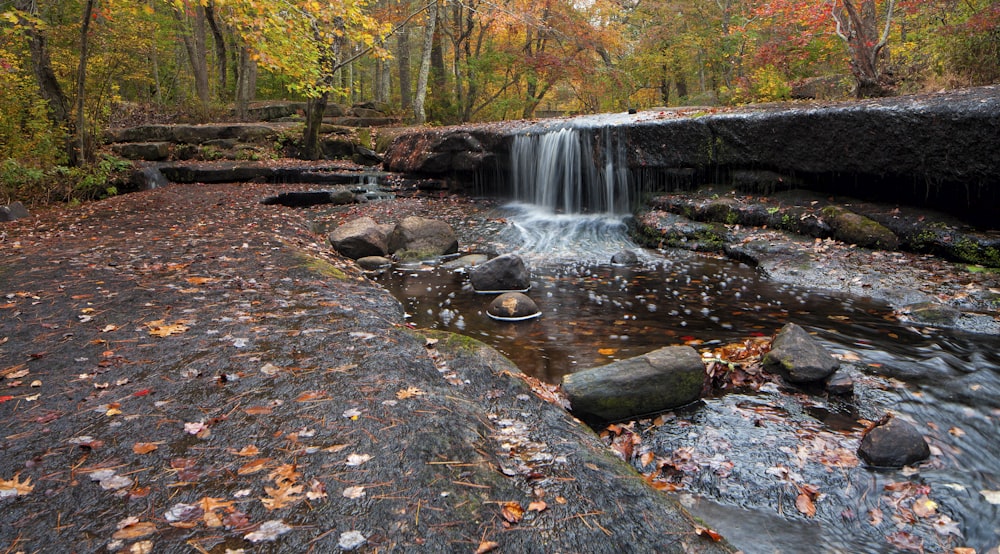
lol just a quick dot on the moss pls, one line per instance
(971, 251)
(322, 267)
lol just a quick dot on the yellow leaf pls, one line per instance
(15, 487)
(281, 497)
(606, 351)
(512, 511)
(409, 393)
(924, 507)
(159, 329)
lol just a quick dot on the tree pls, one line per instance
(858, 24)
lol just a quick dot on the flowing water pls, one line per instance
(569, 219)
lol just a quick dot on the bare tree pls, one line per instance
(858, 26)
(419, 112)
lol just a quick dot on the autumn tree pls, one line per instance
(866, 35)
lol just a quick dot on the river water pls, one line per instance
(741, 461)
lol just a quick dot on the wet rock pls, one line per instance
(422, 237)
(465, 262)
(931, 313)
(759, 181)
(148, 151)
(625, 257)
(841, 382)
(359, 238)
(304, 199)
(373, 263)
(513, 306)
(857, 229)
(893, 443)
(365, 156)
(798, 357)
(501, 274)
(12, 211)
(660, 380)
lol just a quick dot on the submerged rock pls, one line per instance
(660, 380)
(359, 238)
(372, 263)
(798, 357)
(423, 237)
(893, 443)
(625, 257)
(513, 306)
(465, 262)
(505, 273)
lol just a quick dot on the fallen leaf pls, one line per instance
(357, 459)
(15, 487)
(18, 373)
(316, 490)
(805, 505)
(537, 506)
(258, 410)
(706, 532)
(141, 547)
(349, 540)
(250, 450)
(512, 511)
(993, 497)
(160, 329)
(253, 467)
(200, 280)
(409, 392)
(282, 496)
(352, 413)
(311, 395)
(924, 507)
(144, 447)
(268, 531)
(135, 531)
(487, 546)
(354, 492)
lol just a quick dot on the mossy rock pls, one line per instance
(857, 229)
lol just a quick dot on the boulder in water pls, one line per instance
(422, 237)
(625, 257)
(660, 380)
(893, 443)
(373, 263)
(359, 238)
(505, 273)
(798, 357)
(513, 306)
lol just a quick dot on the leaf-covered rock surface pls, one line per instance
(185, 369)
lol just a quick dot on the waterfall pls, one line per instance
(572, 171)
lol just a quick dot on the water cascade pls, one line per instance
(572, 171)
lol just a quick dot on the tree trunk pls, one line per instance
(384, 91)
(41, 66)
(220, 47)
(83, 150)
(194, 43)
(405, 82)
(857, 26)
(311, 149)
(246, 83)
(419, 112)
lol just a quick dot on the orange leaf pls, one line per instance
(537, 506)
(606, 351)
(254, 466)
(258, 410)
(135, 531)
(512, 511)
(487, 546)
(144, 447)
(805, 504)
(251, 450)
(706, 532)
(311, 395)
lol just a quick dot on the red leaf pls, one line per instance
(5, 398)
(142, 392)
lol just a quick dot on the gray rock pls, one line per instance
(148, 151)
(503, 273)
(893, 443)
(625, 257)
(841, 382)
(660, 380)
(12, 211)
(373, 263)
(798, 357)
(422, 237)
(359, 238)
(513, 306)
(931, 313)
(857, 229)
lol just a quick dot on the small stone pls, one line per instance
(798, 357)
(12, 211)
(513, 306)
(373, 263)
(841, 382)
(893, 443)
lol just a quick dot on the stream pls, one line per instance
(747, 454)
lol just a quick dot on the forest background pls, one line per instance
(71, 68)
